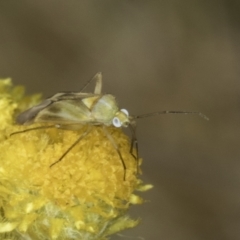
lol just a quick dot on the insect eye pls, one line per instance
(116, 122)
(125, 111)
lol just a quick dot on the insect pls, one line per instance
(71, 110)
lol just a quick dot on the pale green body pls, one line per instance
(69, 110)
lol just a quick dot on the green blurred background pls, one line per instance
(154, 55)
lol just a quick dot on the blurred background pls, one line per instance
(154, 55)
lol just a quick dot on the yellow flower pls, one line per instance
(82, 197)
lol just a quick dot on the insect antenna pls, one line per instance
(71, 147)
(110, 138)
(31, 129)
(170, 112)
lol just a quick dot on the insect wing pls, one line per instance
(28, 116)
(70, 96)
(65, 112)
(95, 109)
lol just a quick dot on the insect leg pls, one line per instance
(134, 143)
(30, 129)
(98, 87)
(71, 147)
(110, 138)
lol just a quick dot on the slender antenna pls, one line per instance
(96, 77)
(170, 112)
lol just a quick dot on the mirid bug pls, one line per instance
(71, 110)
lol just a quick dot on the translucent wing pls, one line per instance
(60, 108)
(70, 96)
(97, 110)
(28, 116)
(64, 107)
(65, 112)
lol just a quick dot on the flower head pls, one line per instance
(84, 196)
